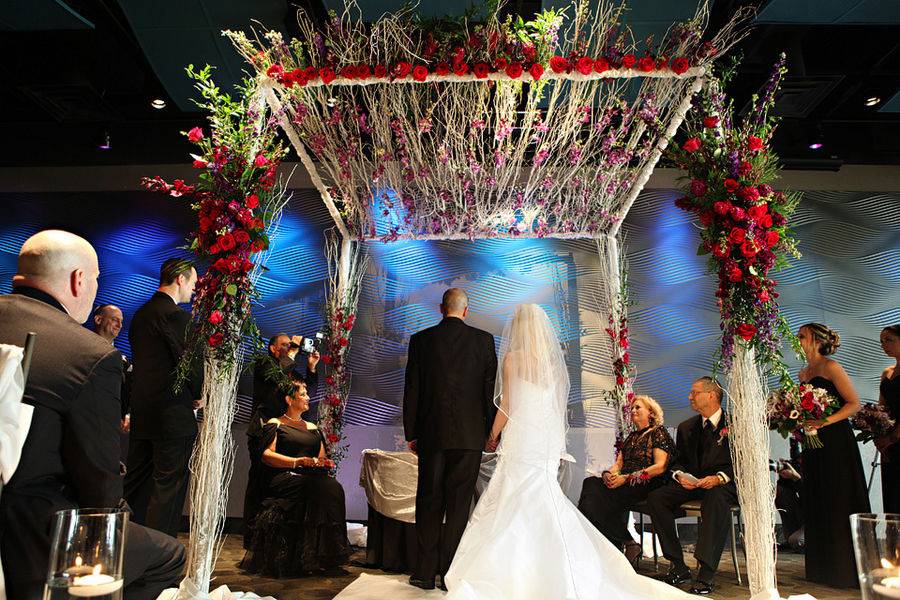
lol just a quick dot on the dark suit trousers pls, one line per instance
(157, 481)
(715, 508)
(446, 487)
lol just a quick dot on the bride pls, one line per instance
(525, 539)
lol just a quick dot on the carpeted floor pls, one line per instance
(326, 587)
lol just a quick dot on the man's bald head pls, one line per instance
(455, 303)
(63, 265)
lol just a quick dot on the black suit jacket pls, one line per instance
(158, 335)
(448, 401)
(71, 454)
(717, 458)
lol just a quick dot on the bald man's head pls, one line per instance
(63, 265)
(455, 303)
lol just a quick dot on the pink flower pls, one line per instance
(195, 135)
(260, 161)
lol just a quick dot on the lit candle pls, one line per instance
(889, 585)
(95, 584)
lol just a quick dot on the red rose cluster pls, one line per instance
(456, 64)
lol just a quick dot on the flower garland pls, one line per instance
(622, 394)
(340, 314)
(236, 198)
(744, 221)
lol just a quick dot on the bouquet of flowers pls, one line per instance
(872, 421)
(791, 406)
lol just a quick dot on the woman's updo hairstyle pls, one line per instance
(828, 339)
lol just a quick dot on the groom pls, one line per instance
(448, 410)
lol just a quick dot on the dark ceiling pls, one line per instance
(77, 70)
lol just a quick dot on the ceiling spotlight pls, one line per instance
(816, 145)
(158, 103)
(105, 143)
(872, 100)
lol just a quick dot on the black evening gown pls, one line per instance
(302, 525)
(890, 460)
(834, 486)
(607, 509)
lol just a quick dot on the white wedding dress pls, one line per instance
(526, 540)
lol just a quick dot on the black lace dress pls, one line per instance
(834, 487)
(302, 525)
(608, 508)
(890, 460)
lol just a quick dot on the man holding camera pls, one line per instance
(285, 357)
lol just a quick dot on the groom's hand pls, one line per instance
(412, 446)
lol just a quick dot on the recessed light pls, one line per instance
(872, 100)
(158, 103)
(816, 146)
(105, 142)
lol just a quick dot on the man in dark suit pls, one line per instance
(268, 403)
(701, 451)
(448, 411)
(108, 319)
(163, 425)
(71, 454)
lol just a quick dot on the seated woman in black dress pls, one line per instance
(889, 397)
(640, 463)
(302, 527)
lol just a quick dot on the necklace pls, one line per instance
(291, 418)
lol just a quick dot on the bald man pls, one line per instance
(108, 319)
(71, 454)
(448, 409)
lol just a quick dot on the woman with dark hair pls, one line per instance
(302, 527)
(644, 456)
(834, 483)
(889, 397)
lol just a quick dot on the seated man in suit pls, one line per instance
(701, 451)
(71, 454)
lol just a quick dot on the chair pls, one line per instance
(692, 509)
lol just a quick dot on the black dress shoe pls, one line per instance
(677, 577)
(424, 584)
(702, 588)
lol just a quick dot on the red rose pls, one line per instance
(763, 296)
(620, 380)
(420, 73)
(691, 145)
(343, 342)
(735, 275)
(731, 185)
(626, 358)
(333, 438)
(706, 218)
(766, 221)
(348, 72)
(721, 208)
(772, 238)
(584, 65)
(327, 75)
(216, 339)
(226, 242)
(721, 250)
(381, 71)
(260, 161)
(536, 70)
(195, 135)
(601, 65)
(200, 164)
(514, 70)
(311, 73)
(329, 380)
(737, 213)
(252, 201)
(807, 402)
(746, 331)
(698, 187)
(363, 72)
(749, 193)
(629, 60)
(646, 64)
(401, 70)
(327, 359)
(500, 64)
(274, 71)
(460, 69)
(481, 70)
(215, 317)
(744, 169)
(749, 249)
(287, 80)
(758, 211)
(754, 144)
(442, 69)
(737, 236)
(559, 64)
(241, 236)
(710, 122)
(680, 65)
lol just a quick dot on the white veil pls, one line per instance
(530, 353)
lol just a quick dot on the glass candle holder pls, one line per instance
(876, 544)
(87, 554)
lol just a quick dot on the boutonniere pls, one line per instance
(723, 433)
